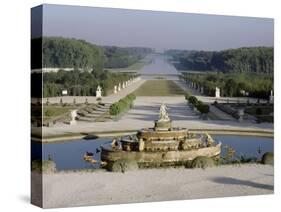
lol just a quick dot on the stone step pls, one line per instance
(82, 112)
(89, 110)
(88, 119)
(93, 115)
(96, 119)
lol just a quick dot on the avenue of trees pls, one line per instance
(241, 60)
(81, 83)
(257, 85)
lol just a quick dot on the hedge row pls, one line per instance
(122, 105)
(201, 107)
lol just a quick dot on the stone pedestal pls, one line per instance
(73, 122)
(162, 125)
(240, 114)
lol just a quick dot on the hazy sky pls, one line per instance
(160, 30)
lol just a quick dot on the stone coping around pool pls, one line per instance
(95, 135)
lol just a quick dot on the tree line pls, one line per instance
(233, 84)
(81, 83)
(240, 60)
(61, 52)
(118, 57)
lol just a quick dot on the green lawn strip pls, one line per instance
(159, 88)
(53, 111)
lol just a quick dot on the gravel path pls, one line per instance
(75, 189)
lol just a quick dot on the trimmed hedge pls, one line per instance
(187, 95)
(193, 100)
(204, 108)
(122, 105)
(201, 107)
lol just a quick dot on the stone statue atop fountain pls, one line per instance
(98, 92)
(163, 114)
(217, 94)
(73, 115)
(164, 122)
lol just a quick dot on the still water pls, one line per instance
(69, 155)
(249, 146)
(159, 65)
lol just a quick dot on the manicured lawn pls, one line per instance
(159, 88)
(53, 111)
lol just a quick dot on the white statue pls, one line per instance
(98, 91)
(119, 87)
(217, 94)
(115, 89)
(163, 114)
(73, 115)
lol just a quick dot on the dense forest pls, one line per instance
(233, 84)
(241, 60)
(117, 57)
(71, 53)
(61, 52)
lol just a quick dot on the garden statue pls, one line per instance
(73, 115)
(98, 92)
(217, 94)
(163, 114)
(115, 89)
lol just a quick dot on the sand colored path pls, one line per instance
(74, 189)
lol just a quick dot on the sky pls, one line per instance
(159, 30)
